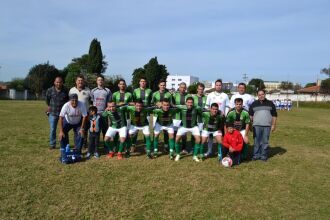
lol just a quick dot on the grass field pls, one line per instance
(293, 184)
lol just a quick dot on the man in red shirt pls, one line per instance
(232, 143)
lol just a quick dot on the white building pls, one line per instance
(173, 81)
(272, 85)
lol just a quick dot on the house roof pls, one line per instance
(311, 89)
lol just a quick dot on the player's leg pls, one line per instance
(122, 138)
(196, 135)
(181, 132)
(245, 149)
(218, 138)
(146, 134)
(109, 141)
(157, 130)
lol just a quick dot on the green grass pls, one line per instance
(293, 184)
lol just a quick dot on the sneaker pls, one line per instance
(88, 156)
(119, 156)
(195, 158)
(96, 155)
(149, 156)
(177, 158)
(111, 155)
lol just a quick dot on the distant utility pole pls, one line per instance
(245, 78)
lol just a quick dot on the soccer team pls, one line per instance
(121, 115)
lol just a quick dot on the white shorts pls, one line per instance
(111, 132)
(194, 131)
(158, 128)
(134, 130)
(208, 133)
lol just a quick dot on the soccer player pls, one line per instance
(189, 115)
(247, 98)
(143, 93)
(161, 94)
(118, 124)
(164, 122)
(100, 96)
(241, 121)
(213, 125)
(138, 115)
(157, 98)
(200, 98)
(179, 98)
(222, 100)
(122, 97)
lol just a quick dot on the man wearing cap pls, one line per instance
(56, 97)
(72, 116)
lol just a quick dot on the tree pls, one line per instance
(310, 84)
(96, 59)
(192, 89)
(257, 83)
(112, 82)
(18, 84)
(77, 66)
(41, 77)
(251, 89)
(137, 75)
(153, 71)
(325, 86)
(286, 85)
(326, 71)
(296, 87)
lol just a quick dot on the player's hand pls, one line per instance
(82, 132)
(61, 135)
(246, 139)
(231, 150)
(273, 128)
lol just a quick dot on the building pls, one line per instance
(272, 85)
(173, 81)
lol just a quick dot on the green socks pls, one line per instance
(121, 147)
(109, 145)
(219, 151)
(196, 149)
(155, 143)
(148, 144)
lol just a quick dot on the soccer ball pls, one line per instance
(227, 162)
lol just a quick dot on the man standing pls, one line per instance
(100, 96)
(247, 98)
(56, 97)
(84, 94)
(72, 116)
(143, 93)
(222, 100)
(263, 115)
(122, 97)
(200, 98)
(240, 119)
(179, 98)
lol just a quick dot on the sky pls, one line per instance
(269, 39)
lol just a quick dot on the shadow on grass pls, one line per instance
(272, 151)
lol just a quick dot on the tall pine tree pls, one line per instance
(97, 64)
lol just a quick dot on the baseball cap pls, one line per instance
(73, 96)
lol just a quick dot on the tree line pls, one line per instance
(41, 76)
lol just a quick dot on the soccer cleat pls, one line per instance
(96, 155)
(149, 156)
(119, 156)
(111, 155)
(195, 158)
(177, 158)
(171, 157)
(155, 153)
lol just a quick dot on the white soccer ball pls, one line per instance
(227, 162)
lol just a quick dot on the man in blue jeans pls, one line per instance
(56, 97)
(70, 118)
(263, 115)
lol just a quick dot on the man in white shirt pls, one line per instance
(247, 98)
(72, 116)
(84, 95)
(222, 100)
